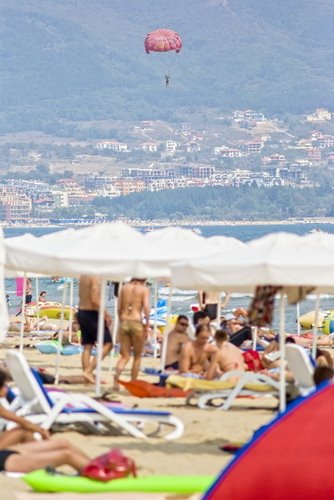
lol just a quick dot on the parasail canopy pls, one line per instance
(162, 40)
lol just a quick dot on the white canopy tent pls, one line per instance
(281, 259)
(296, 263)
(112, 251)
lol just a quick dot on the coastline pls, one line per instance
(184, 223)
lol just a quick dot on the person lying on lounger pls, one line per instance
(19, 452)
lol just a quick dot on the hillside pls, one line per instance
(72, 60)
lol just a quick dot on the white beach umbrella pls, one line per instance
(104, 249)
(172, 244)
(282, 259)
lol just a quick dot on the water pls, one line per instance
(182, 304)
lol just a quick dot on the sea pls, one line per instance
(182, 303)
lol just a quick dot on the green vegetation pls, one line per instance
(217, 203)
(65, 61)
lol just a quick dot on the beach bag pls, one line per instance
(111, 465)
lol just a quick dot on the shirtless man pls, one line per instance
(208, 302)
(228, 357)
(195, 354)
(133, 302)
(175, 340)
(89, 303)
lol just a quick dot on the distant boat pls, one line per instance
(316, 230)
(149, 229)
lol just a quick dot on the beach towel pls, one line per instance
(262, 306)
(253, 360)
(143, 389)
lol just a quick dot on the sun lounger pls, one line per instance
(301, 366)
(35, 403)
(230, 386)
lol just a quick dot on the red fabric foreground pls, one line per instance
(291, 459)
(143, 389)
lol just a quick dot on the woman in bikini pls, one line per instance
(133, 302)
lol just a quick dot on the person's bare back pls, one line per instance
(89, 293)
(227, 357)
(133, 301)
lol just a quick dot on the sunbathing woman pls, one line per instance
(20, 453)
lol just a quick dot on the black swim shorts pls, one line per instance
(211, 310)
(88, 321)
(4, 454)
(172, 366)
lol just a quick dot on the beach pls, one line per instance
(195, 453)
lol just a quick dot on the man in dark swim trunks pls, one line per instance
(89, 303)
(133, 302)
(175, 339)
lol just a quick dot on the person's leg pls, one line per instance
(15, 436)
(38, 460)
(105, 350)
(239, 337)
(48, 445)
(138, 345)
(125, 354)
(88, 324)
(86, 363)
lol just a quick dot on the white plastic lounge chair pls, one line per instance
(35, 404)
(300, 364)
(226, 389)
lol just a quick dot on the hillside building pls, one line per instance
(14, 206)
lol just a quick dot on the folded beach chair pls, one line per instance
(231, 385)
(35, 404)
(302, 368)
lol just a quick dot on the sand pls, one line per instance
(196, 452)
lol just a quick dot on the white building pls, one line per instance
(60, 198)
(320, 115)
(119, 147)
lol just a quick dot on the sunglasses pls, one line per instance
(183, 324)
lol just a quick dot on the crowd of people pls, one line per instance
(213, 343)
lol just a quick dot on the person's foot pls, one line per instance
(89, 377)
(115, 385)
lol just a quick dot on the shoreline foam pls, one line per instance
(162, 223)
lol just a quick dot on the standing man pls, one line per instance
(28, 291)
(89, 304)
(208, 303)
(133, 304)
